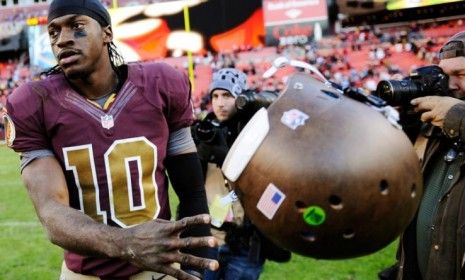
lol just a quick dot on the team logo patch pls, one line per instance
(10, 131)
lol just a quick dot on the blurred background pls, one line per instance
(353, 43)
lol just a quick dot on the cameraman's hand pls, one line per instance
(434, 108)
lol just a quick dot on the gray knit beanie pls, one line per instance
(229, 79)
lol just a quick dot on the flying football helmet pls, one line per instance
(324, 175)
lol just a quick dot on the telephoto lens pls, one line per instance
(424, 81)
(250, 101)
(397, 93)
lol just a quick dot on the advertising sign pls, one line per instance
(294, 21)
(40, 52)
(405, 4)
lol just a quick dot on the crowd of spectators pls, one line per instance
(13, 72)
(359, 57)
(19, 14)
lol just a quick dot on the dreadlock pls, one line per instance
(116, 60)
(115, 57)
(54, 70)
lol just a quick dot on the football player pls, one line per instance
(95, 138)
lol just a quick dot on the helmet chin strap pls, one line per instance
(282, 61)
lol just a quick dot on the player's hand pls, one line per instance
(434, 108)
(155, 245)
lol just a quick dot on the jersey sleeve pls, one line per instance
(25, 121)
(176, 86)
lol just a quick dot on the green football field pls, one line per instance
(26, 253)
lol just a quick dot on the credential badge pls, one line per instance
(107, 121)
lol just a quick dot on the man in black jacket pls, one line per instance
(243, 249)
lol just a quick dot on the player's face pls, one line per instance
(455, 68)
(223, 104)
(79, 44)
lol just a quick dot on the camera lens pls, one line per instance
(396, 92)
(242, 101)
(252, 102)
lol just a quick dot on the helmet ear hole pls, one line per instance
(384, 187)
(413, 190)
(335, 202)
(348, 234)
(308, 236)
(301, 206)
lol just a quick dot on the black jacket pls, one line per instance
(213, 140)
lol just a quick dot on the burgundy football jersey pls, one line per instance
(113, 160)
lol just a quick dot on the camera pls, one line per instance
(424, 81)
(205, 131)
(247, 104)
(249, 101)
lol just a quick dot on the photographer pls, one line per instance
(243, 249)
(433, 245)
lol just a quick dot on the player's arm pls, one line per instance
(66, 227)
(151, 246)
(185, 173)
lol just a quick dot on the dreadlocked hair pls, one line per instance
(116, 60)
(54, 70)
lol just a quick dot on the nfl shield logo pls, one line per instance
(294, 118)
(107, 121)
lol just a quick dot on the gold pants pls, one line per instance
(67, 274)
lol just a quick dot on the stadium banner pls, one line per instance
(40, 53)
(11, 36)
(156, 31)
(294, 21)
(11, 43)
(406, 4)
